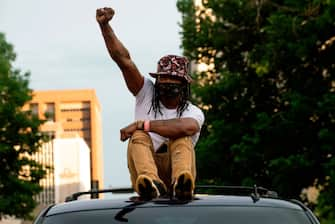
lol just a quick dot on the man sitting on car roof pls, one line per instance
(167, 126)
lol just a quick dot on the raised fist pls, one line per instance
(104, 15)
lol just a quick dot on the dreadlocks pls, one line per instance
(185, 94)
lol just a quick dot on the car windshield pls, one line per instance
(183, 214)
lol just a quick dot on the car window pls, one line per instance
(184, 215)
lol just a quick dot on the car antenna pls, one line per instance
(255, 195)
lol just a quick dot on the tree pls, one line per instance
(19, 139)
(267, 91)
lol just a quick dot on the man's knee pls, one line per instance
(183, 142)
(140, 137)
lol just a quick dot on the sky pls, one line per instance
(60, 44)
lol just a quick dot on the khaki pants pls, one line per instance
(160, 166)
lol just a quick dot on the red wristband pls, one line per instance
(146, 126)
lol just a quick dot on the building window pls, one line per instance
(75, 109)
(49, 112)
(34, 108)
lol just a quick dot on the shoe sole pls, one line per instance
(184, 187)
(146, 189)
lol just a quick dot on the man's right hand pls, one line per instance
(104, 15)
(128, 131)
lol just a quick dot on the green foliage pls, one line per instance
(19, 139)
(325, 208)
(268, 95)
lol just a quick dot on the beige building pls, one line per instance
(72, 113)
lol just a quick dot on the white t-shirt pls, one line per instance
(143, 104)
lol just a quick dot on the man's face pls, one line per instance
(170, 88)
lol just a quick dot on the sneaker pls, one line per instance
(161, 188)
(148, 189)
(183, 187)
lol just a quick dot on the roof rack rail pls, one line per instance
(255, 192)
(74, 196)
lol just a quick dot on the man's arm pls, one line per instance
(172, 128)
(118, 52)
(175, 128)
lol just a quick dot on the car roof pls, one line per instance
(199, 200)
